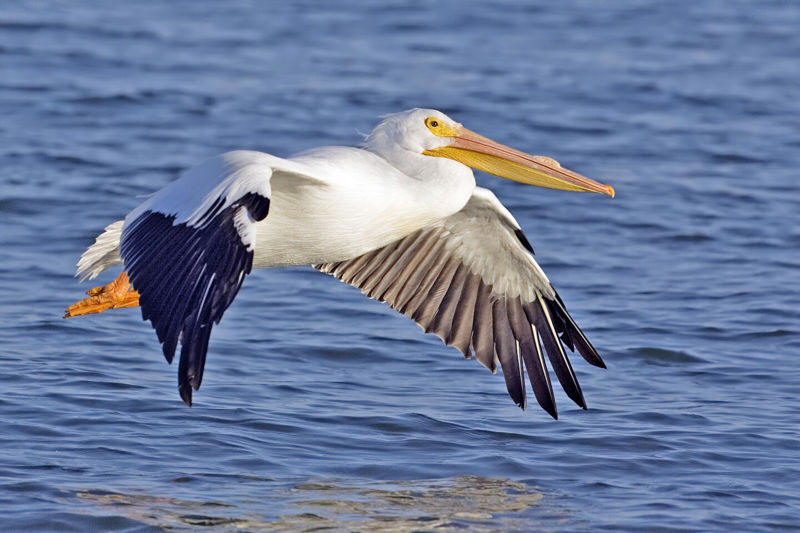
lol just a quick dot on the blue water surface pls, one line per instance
(322, 409)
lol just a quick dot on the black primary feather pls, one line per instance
(187, 276)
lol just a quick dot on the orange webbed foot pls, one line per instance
(115, 295)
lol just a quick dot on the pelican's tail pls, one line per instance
(103, 254)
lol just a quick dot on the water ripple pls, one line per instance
(322, 409)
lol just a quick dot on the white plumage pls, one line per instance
(400, 218)
(103, 254)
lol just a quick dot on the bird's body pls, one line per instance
(360, 202)
(400, 218)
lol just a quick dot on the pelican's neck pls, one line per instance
(442, 185)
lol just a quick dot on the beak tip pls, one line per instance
(610, 191)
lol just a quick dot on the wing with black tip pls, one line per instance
(472, 280)
(188, 248)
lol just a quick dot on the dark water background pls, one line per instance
(323, 409)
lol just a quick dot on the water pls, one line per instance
(323, 409)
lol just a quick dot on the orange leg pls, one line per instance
(115, 295)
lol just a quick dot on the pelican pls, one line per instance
(400, 218)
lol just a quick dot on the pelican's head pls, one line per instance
(432, 133)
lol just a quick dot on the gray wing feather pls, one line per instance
(471, 280)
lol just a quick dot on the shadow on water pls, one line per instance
(469, 503)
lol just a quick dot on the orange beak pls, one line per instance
(489, 156)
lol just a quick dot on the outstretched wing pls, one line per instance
(472, 280)
(189, 246)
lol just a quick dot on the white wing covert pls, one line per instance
(472, 280)
(188, 247)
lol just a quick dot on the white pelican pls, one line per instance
(399, 218)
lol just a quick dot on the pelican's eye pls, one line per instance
(439, 128)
